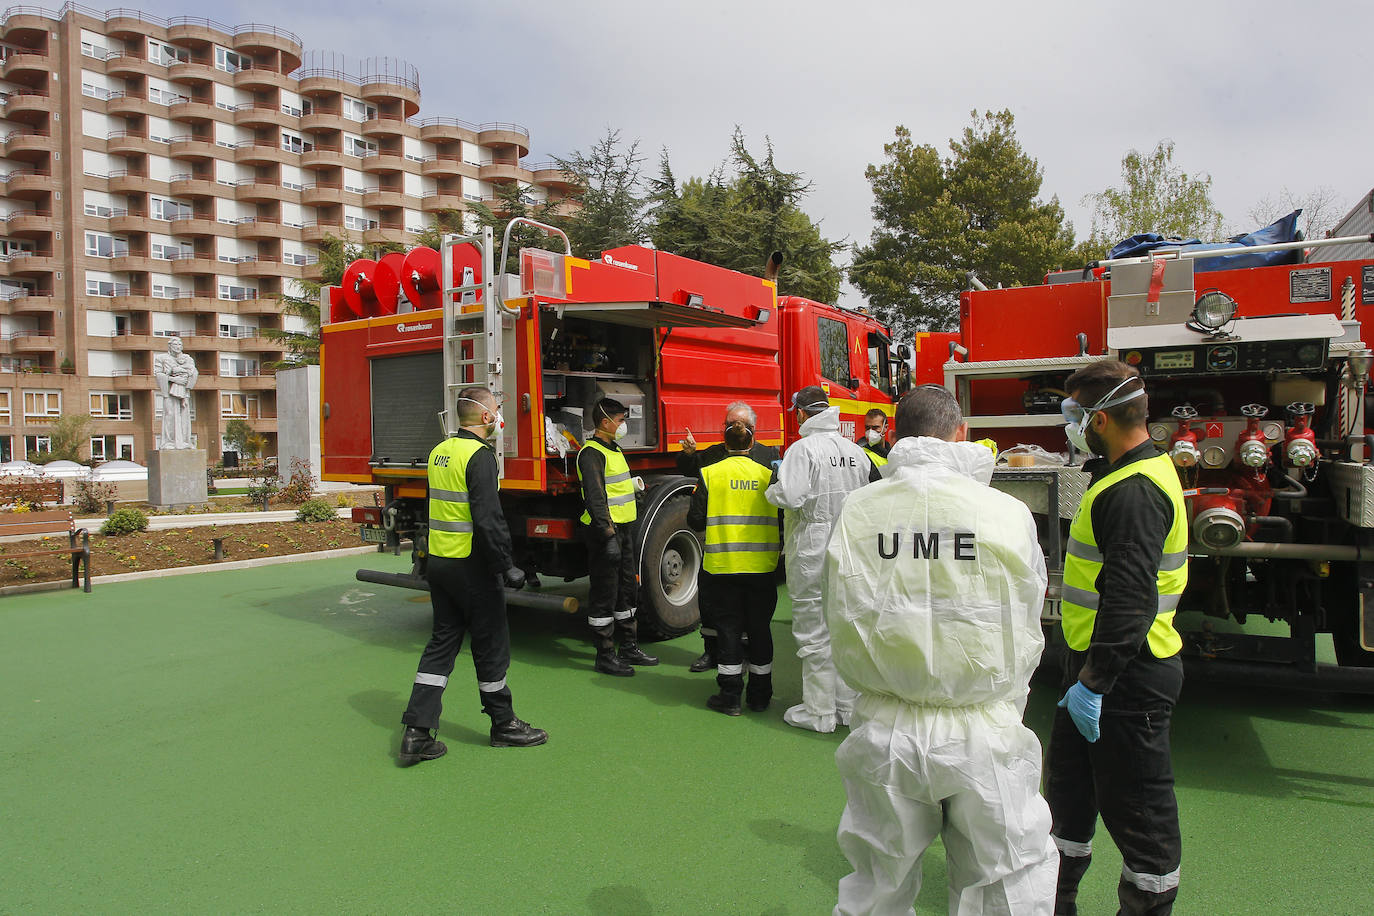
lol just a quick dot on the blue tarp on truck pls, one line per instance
(1281, 230)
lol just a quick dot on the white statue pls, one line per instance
(176, 375)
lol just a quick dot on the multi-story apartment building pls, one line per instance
(172, 178)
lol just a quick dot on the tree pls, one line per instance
(609, 198)
(236, 435)
(740, 220)
(1319, 210)
(514, 201)
(1155, 196)
(303, 347)
(67, 435)
(939, 220)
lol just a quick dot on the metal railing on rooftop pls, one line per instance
(140, 16)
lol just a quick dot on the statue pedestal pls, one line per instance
(176, 477)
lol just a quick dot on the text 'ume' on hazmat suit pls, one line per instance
(935, 584)
(818, 471)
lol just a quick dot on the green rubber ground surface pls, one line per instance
(224, 743)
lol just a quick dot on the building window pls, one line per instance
(359, 222)
(100, 245)
(164, 208)
(10, 248)
(94, 92)
(361, 148)
(168, 251)
(6, 448)
(237, 292)
(237, 368)
(42, 405)
(834, 341)
(237, 330)
(90, 49)
(166, 55)
(6, 414)
(292, 143)
(238, 406)
(356, 110)
(108, 448)
(106, 288)
(99, 210)
(230, 62)
(161, 291)
(37, 445)
(108, 405)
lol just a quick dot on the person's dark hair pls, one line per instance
(1093, 382)
(605, 409)
(472, 401)
(928, 411)
(812, 399)
(875, 414)
(738, 437)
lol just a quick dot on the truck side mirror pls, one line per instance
(903, 352)
(853, 384)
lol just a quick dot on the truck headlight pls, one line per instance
(1214, 309)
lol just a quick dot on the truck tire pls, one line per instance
(1345, 639)
(669, 563)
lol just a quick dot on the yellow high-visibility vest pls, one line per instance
(741, 525)
(1083, 562)
(620, 489)
(450, 514)
(878, 460)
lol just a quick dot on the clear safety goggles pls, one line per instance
(1077, 414)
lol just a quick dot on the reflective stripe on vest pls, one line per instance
(1083, 562)
(620, 487)
(878, 460)
(741, 525)
(450, 514)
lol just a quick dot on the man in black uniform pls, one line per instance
(690, 461)
(470, 562)
(1125, 570)
(874, 440)
(608, 492)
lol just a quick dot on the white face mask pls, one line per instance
(498, 424)
(622, 430)
(1076, 436)
(874, 436)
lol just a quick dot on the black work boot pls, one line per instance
(607, 662)
(515, 733)
(632, 653)
(418, 744)
(707, 659)
(729, 705)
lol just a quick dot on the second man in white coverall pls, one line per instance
(817, 472)
(935, 584)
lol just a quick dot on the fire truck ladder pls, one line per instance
(473, 330)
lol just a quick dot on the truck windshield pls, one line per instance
(879, 365)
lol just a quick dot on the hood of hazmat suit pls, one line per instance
(817, 473)
(934, 585)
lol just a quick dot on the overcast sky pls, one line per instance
(1261, 95)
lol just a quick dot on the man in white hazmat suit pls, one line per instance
(817, 472)
(934, 588)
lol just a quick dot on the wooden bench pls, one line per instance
(24, 524)
(48, 491)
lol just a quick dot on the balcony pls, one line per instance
(321, 193)
(266, 304)
(260, 228)
(265, 380)
(259, 38)
(441, 167)
(29, 183)
(321, 118)
(386, 235)
(262, 78)
(268, 267)
(198, 225)
(196, 265)
(124, 105)
(251, 114)
(196, 148)
(28, 105)
(501, 172)
(135, 263)
(192, 31)
(32, 341)
(251, 189)
(25, 19)
(497, 133)
(133, 380)
(389, 127)
(191, 71)
(29, 222)
(434, 203)
(21, 264)
(23, 302)
(129, 341)
(316, 231)
(325, 157)
(124, 221)
(550, 175)
(30, 144)
(184, 185)
(123, 181)
(379, 198)
(263, 152)
(127, 143)
(405, 91)
(384, 162)
(194, 111)
(124, 64)
(193, 302)
(29, 67)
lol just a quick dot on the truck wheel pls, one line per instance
(1345, 638)
(670, 563)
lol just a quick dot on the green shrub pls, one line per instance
(124, 521)
(315, 510)
(300, 486)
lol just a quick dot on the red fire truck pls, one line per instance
(673, 339)
(1257, 379)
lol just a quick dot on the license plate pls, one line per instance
(372, 535)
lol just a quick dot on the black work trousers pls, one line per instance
(1126, 776)
(743, 605)
(614, 587)
(466, 598)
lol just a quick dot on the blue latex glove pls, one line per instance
(1085, 708)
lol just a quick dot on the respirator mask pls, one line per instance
(874, 436)
(622, 430)
(1078, 417)
(497, 424)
